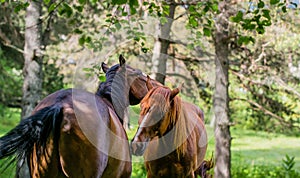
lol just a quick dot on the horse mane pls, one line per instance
(104, 88)
(174, 119)
(114, 88)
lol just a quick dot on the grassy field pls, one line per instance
(248, 147)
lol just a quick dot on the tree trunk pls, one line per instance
(221, 98)
(32, 71)
(161, 45)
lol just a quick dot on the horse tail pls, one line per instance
(205, 166)
(32, 132)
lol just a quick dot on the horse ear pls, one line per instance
(175, 91)
(148, 83)
(122, 60)
(104, 67)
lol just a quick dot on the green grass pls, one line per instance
(9, 117)
(254, 147)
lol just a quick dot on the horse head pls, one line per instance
(133, 80)
(157, 115)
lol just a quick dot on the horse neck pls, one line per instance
(115, 96)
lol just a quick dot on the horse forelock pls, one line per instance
(157, 96)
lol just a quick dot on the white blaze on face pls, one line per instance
(144, 120)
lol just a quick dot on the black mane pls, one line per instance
(115, 89)
(104, 88)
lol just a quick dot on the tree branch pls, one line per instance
(278, 80)
(181, 3)
(13, 47)
(263, 109)
(286, 86)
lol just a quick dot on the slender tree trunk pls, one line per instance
(221, 98)
(32, 71)
(160, 50)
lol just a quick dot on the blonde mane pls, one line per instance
(174, 117)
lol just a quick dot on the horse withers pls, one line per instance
(171, 135)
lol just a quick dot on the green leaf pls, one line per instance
(192, 9)
(17, 8)
(260, 29)
(238, 17)
(266, 22)
(145, 50)
(133, 3)
(78, 31)
(163, 20)
(206, 9)
(119, 2)
(78, 8)
(283, 8)
(215, 7)
(46, 2)
(133, 10)
(69, 10)
(21, 6)
(88, 39)
(52, 7)
(261, 4)
(112, 29)
(245, 40)
(266, 14)
(118, 26)
(273, 2)
(190, 46)
(65, 10)
(82, 2)
(193, 22)
(82, 40)
(102, 78)
(207, 31)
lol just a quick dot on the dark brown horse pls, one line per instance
(74, 133)
(171, 135)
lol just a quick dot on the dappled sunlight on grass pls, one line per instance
(256, 147)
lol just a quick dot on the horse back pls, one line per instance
(83, 145)
(197, 141)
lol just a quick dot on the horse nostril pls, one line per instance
(133, 148)
(137, 148)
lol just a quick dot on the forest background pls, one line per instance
(239, 61)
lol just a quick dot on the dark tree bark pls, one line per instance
(32, 71)
(161, 45)
(221, 98)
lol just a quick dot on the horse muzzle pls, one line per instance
(138, 148)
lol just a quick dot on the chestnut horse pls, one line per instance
(74, 133)
(171, 135)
